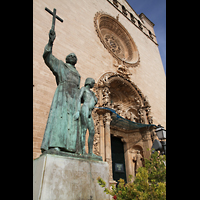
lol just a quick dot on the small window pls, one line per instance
(115, 3)
(140, 25)
(150, 34)
(124, 10)
(132, 18)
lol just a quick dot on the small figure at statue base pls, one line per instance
(89, 100)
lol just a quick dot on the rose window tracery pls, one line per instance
(116, 39)
(114, 45)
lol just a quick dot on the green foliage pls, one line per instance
(156, 168)
(149, 183)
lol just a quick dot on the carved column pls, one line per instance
(106, 98)
(108, 155)
(144, 116)
(102, 139)
(108, 143)
(127, 157)
(147, 142)
(100, 95)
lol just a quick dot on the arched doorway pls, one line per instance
(117, 92)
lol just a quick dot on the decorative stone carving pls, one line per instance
(122, 95)
(115, 45)
(123, 70)
(96, 140)
(107, 118)
(138, 158)
(147, 108)
(150, 119)
(146, 136)
(119, 93)
(106, 98)
(96, 144)
(131, 114)
(103, 81)
(116, 39)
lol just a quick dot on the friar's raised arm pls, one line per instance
(51, 61)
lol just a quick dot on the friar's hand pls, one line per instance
(52, 36)
(76, 115)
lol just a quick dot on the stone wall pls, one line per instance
(77, 34)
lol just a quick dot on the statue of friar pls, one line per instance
(61, 128)
(138, 159)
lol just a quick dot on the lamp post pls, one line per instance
(161, 132)
(160, 145)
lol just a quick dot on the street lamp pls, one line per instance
(161, 132)
(160, 145)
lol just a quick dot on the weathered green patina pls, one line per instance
(68, 122)
(61, 128)
(89, 100)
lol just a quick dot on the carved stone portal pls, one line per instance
(117, 92)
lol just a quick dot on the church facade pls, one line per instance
(118, 48)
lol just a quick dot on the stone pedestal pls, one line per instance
(65, 178)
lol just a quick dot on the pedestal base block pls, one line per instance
(64, 178)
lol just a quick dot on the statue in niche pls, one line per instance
(89, 100)
(138, 159)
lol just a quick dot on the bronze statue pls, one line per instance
(61, 129)
(89, 100)
(68, 122)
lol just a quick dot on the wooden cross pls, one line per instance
(54, 17)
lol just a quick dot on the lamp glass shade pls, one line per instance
(161, 134)
(164, 134)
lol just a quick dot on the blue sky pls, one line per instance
(155, 10)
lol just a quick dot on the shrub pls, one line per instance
(149, 183)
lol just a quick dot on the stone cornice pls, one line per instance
(142, 15)
(139, 27)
